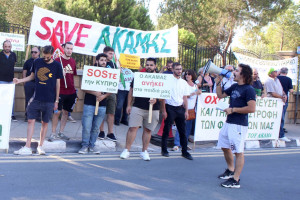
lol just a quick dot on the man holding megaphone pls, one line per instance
(234, 131)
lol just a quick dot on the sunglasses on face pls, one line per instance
(34, 52)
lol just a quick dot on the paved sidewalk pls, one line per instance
(74, 131)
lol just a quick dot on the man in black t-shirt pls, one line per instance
(234, 131)
(30, 85)
(46, 73)
(287, 87)
(90, 121)
(138, 116)
(8, 60)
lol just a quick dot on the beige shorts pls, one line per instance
(139, 117)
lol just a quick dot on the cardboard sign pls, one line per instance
(100, 79)
(7, 92)
(17, 41)
(152, 85)
(88, 36)
(264, 124)
(129, 61)
(263, 66)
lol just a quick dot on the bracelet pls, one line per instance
(56, 101)
(231, 110)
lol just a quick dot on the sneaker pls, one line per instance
(125, 154)
(23, 151)
(52, 137)
(83, 150)
(189, 148)
(13, 118)
(175, 148)
(40, 150)
(285, 131)
(111, 137)
(187, 155)
(226, 175)
(285, 139)
(70, 118)
(101, 135)
(62, 136)
(145, 155)
(231, 183)
(94, 150)
(117, 123)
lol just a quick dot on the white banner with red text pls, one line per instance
(152, 85)
(100, 79)
(263, 66)
(264, 124)
(7, 92)
(17, 41)
(88, 37)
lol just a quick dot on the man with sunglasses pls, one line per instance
(29, 86)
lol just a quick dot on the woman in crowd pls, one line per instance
(204, 82)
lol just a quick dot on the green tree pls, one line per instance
(214, 22)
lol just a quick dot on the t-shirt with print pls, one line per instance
(143, 103)
(239, 97)
(70, 68)
(28, 66)
(45, 79)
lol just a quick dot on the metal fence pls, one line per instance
(191, 57)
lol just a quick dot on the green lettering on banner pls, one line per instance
(141, 42)
(0, 129)
(252, 125)
(104, 33)
(163, 50)
(208, 124)
(129, 45)
(153, 44)
(117, 37)
(252, 135)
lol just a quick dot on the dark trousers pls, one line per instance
(175, 113)
(29, 91)
(121, 106)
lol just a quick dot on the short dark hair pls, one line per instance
(192, 73)
(5, 42)
(246, 73)
(64, 45)
(37, 48)
(48, 49)
(169, 61)
(152, 59)
(101, 55)
(107, 49)
(175, 64)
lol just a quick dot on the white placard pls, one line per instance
(152, 85)
(264, 124)
(7, 92)
(88, 36)
(263, 66)
(17, 41)
(100, 79)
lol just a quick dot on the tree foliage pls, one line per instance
(214, 22)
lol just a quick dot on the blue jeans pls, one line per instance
(121, 105)
(91, 124)
(188, 128)
(12, 112)
(281, 131)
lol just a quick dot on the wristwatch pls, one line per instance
(56, 101)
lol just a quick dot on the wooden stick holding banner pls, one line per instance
(63, 70)
(97, 107)
(27, 52)
(150, 112)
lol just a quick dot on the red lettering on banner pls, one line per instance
(79, 35)
(215, 100)
(90, 72)
(104, 74)
(207, 99)
(97, 73)
(44, 25)
(70, 36)
(60, 33)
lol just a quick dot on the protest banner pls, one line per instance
(152, 85)
(264, 124)
(17, 41)
(7, 92)
(129, 61)
(101, 80)
(263, 66)
(88, 36)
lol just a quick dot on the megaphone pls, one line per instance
(210, 67)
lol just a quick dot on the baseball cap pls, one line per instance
(271, 70)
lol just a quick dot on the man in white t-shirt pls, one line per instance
(176, 109)
(122, 98)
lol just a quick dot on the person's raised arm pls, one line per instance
(219, 92)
